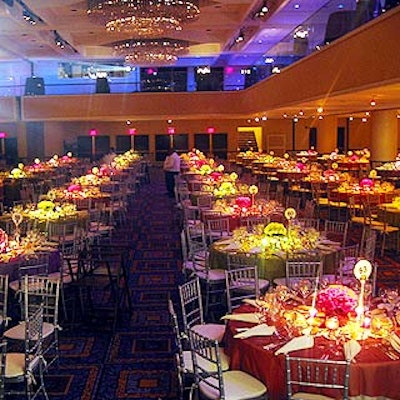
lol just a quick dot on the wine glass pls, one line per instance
(305, 288)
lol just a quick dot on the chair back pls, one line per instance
(309, 375)
(239, 260)
(4, 300)
(241, 283)
(309, 210)
(207, 364)
(368, 246)
(3, 352)
(308, 222)
(336, 230)
(179, 357)
(252, 221)
(41, 292)
(217, 228)
(34, 340)
(299, 270)
(204, 202)
(348, 257)
(196, 240)
(191, 303)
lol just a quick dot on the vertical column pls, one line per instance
(327, 134)
(384, 135)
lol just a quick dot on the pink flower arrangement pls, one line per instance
(354, 158)
(367, 182)
(300, 166)
(336, 300)
(217, 176)
(243, 202)
(74, 188)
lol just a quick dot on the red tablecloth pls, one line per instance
(373, 374)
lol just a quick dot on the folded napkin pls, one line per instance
(224, 241)
(324, 247)
(258, 330)
(244, 317)
(329, 242)
(252, 302)
(351, 349)
(232, 246)
(297, 343)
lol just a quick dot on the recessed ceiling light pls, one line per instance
(296, 6)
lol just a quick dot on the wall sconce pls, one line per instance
(171, 132)
(3, 136)
(132, 132)
(93, 134)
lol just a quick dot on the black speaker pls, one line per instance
(102, 85)
(34, 86)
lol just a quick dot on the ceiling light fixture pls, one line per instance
(144, 18)
(151, 51)
(28, 15)
(262, 11)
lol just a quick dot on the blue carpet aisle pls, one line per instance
(136, 361)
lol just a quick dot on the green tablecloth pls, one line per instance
(269, 267)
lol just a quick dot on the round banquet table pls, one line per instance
(269, 267)
(10, 268)
(373, 373)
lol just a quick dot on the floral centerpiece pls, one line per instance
(275, 238)
(336, 300)
(47, 210)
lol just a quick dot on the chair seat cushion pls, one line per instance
(17, 332)
(211, 331)
(212, 274)
(238, 386)
(15, 365)
(188, 361)
(310, 396)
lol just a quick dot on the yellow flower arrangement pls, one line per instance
(275, 228)
(46, 205)
(275, 238)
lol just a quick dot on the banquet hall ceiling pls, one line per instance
(212, 37)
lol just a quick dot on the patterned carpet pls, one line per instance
(136, 362)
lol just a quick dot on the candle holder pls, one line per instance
(253, 190)
(362, 271)
(17, 218)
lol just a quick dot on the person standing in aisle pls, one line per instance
(172, 167)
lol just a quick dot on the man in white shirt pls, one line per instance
(172, 167)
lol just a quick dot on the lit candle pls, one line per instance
(332, 323)
(314, 298)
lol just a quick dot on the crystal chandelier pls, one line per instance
(144, 18)
(151, 51)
